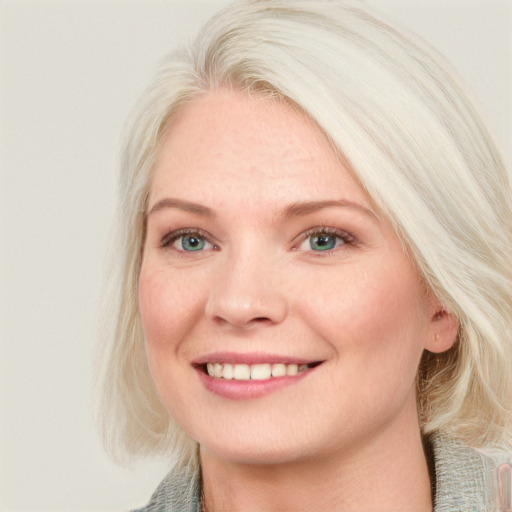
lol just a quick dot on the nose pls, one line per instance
(247, 292)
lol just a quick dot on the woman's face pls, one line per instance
(266, 264)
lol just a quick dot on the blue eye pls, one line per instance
(192, 242)
(323, 241)
(187, 241)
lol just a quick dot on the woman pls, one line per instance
(313, 306)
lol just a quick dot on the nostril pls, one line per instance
(260, 320)
(244, 323)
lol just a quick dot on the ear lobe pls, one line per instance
(443, 331)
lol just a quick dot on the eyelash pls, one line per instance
(170, 238)
(347, 239)
(344, 236)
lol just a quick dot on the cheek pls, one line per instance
(167, 307)
(168, 310)
(377, 318)
(154, 301)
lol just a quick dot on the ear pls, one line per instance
(443, 329)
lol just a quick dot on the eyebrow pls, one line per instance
(293, 210)
(307, 207)
(180, 204)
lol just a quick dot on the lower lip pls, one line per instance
(245, 389)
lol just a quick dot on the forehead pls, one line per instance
(226, 142)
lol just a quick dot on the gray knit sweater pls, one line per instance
(464, 483)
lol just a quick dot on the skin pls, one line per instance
(346, 435)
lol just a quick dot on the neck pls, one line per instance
(388, 473)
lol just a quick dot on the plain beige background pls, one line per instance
(70, 73)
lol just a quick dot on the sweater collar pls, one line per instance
(463, 482)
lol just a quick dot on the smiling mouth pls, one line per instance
(262, 371)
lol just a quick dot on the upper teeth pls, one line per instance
(253, 371)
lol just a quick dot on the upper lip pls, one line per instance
(250, 358)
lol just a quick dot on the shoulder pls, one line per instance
(180, 491)
(464, 477)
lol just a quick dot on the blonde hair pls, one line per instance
(417, 145)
